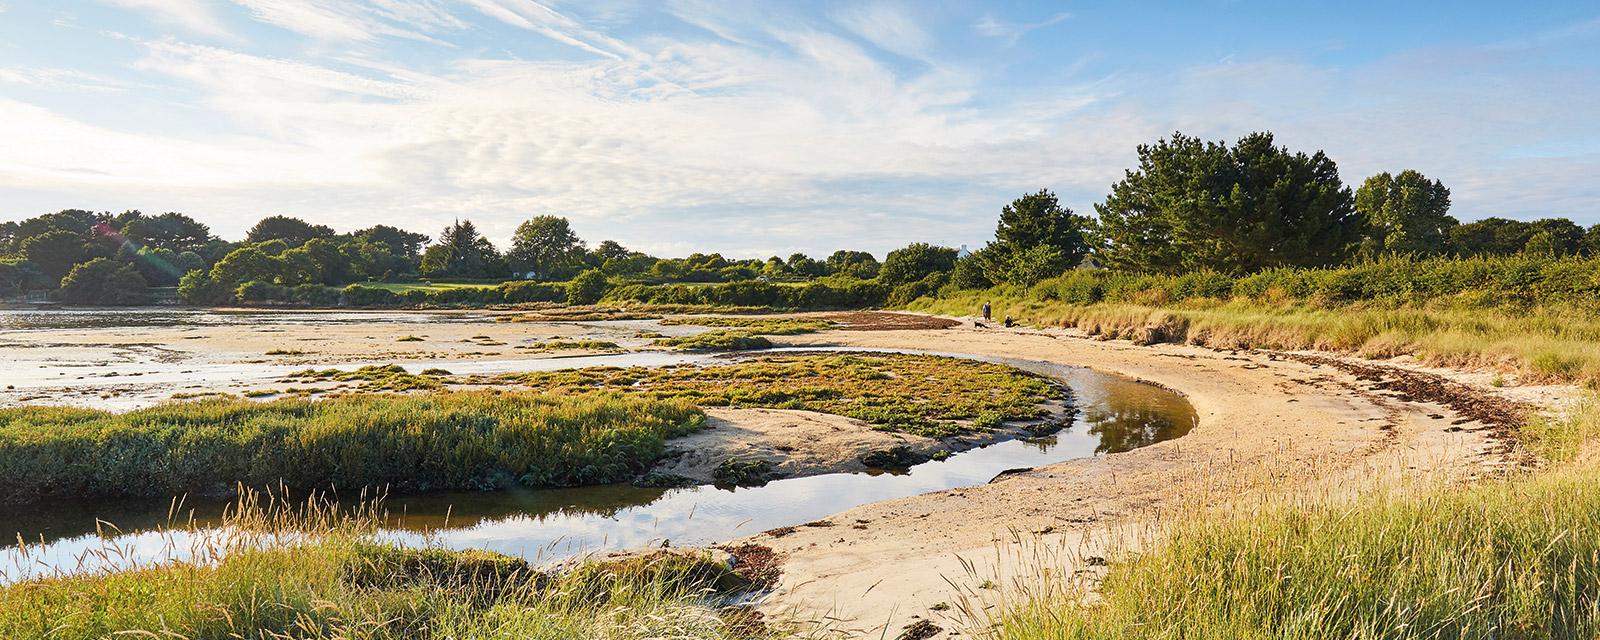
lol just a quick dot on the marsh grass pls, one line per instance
(479, 440)
(317, 572)
(569, 345)
(916, 394)
(374, 378)
(1511, 557)
(718, 340)
(758, 325)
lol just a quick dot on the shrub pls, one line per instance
(588, 288)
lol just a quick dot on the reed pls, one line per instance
(478, 440)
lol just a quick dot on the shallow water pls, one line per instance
(1115, 415)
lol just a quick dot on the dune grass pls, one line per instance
(476, 440)
(916, 394)
(328, 577)
(1515, 557)
(1555, 343)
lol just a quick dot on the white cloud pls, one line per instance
(194, 15)
(773, 136)
(64, 79)
(339, 20)
(889, 26)
(991, 26)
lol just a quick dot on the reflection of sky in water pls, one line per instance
(1114, 415)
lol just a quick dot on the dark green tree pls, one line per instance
(1038, 219)
(55, 252)
(855, 264)
(18, 277)
(462, 252)
(103, 281)
(547, 247)
(10, 244)
(171, 231)
(1499, 236)
(803, 266)
(292, 231)
(1405, 214)
(1193, 205)
(915, 262)
(1036, 238)
(610, 249)
(394, 240)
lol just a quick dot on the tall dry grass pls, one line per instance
(1513, 557)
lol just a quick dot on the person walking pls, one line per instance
(986, 311)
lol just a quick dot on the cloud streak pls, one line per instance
(728, 133)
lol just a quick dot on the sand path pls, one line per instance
(1263, 421)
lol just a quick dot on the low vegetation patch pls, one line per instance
(734, 472)
(718, 340)
(895, 457)
(374, 377)
(757, 325)
(479, 440)
(919, 394)
(338, 582)
(558, 345)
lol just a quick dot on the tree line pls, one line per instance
(1189, 205)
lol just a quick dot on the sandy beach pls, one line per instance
(1267, 422)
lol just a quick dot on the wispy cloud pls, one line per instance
(748, 128)
(338, 20)
(64, 79)
(891, 27)
(991, 26)
(195, 15)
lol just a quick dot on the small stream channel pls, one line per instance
(1114, 415)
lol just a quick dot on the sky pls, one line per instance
(764, 128)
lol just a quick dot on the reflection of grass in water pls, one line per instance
(441, 441)
(315, 574)
(917, 394)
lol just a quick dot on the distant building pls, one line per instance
(963, 252)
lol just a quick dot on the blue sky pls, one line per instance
(760, 128)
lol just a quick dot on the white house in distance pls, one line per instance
(963, 252)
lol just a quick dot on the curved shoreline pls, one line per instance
(1265, 423)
